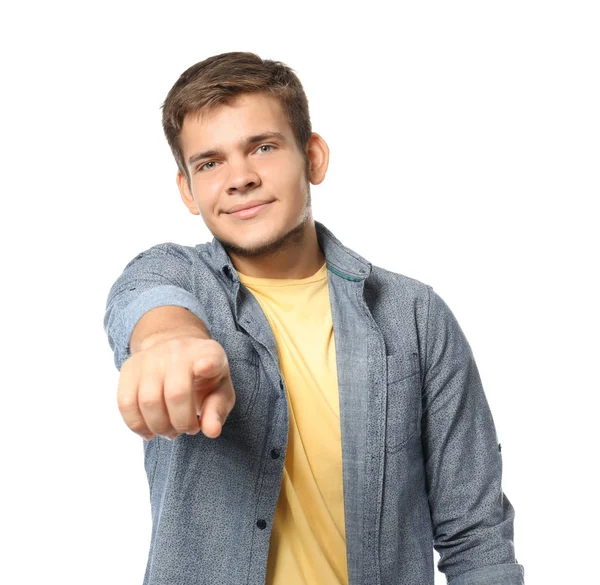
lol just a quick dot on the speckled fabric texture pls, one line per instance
(422, 466)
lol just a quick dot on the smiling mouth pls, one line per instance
(250, 211)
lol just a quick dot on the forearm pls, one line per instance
(473, 520)
(164, 322)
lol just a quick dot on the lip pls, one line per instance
(250, 211)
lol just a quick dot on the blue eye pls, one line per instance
(212, 162)
(208, 163)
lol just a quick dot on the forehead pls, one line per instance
(222, 126)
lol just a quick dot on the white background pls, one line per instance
(465, 151)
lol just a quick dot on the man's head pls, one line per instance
(240, 132)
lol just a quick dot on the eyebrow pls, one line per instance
(243, 143)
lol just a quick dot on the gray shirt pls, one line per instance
(422, 466)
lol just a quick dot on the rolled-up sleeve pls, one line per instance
(158, 277)
(472, 518)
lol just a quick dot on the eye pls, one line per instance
(201, 167)
(212, 162)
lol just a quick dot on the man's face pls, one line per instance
(269, 170)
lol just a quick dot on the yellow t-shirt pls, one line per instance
(308, 540)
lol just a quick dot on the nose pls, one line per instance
(242, 178)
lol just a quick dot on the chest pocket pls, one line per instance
(244, 369)
(403, 399)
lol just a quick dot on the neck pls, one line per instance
(300, 256)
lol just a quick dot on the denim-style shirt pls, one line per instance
(422, 466)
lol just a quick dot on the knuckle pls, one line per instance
(139, 427)
(127, 403)
(175, 346)
(186, 427)
(214, 345)
(150, 402)
(211, 349)
(161, 428)
(177, 394)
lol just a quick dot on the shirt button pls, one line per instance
(261, 524)
(281, 384)
(275, 453)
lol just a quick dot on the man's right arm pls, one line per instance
(174, 378)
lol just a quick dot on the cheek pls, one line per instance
(206, 194)
(284, 172)
(291, 184)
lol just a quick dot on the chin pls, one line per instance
(262, 239)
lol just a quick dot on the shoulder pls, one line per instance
(399, 289)
(399, 285)
(169, 251)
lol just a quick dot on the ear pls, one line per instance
(318, 156)
(186, 194)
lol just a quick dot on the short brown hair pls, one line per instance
(219, 80)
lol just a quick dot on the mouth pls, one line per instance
(250, 211)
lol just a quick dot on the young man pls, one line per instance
(309, 418)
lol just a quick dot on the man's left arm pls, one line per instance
(472, 518)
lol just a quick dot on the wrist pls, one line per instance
(160, 336)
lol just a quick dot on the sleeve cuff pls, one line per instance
(158, 296)
(504, 574)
